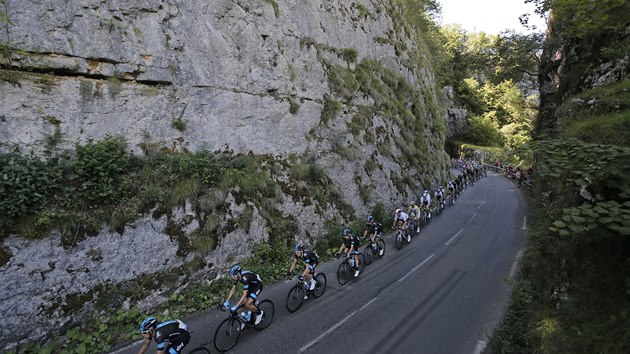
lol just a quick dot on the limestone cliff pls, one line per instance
(248, 76)
(581, 54)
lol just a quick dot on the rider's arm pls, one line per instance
(306, 270)
(231, 292)
(292, 265)
(241, 301)
(145, 345)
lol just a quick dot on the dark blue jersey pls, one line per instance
(171, 333)
(309, 257)
(351, 240)
(373, 228)
(250, 280)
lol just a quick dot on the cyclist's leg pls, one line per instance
(310, 277)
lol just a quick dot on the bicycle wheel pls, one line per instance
(199, 351)
(407, 238)
(343, 273)
(320, 286)
(227, 334)
(268, 309)
(295, 298)
(399, 240)
(369, 254)
(381, 247)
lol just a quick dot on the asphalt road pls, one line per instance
(444, 292)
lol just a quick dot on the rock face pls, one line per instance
(242, 75)
(570, 65)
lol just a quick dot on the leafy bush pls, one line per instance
(25, 185)
(99, 167)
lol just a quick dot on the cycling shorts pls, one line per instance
(178, 343)
(253, 290)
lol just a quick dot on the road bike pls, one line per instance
(300, 291)
(230, 329)
(439, 206)
(347, 268)
(414, 227)
(376, 246)
(450, 199)
(424, 215)
(402, 236)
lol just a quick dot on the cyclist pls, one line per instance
(451, 190)
(350, 246)
(170, 336)
(252, 286)
(439, 193)
(414, 214)
(400, 218)
(425, 201)
(373, 229)
(310, 261)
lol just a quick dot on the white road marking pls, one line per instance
(416, 267)
(337, 325)
(471, 219)
(481, 345)
(127, 347)
(452, 238)
(514, 267)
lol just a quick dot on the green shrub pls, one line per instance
(99, 167)
(179, 124)
(25, 184)
(330, 109)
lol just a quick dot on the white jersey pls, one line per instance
(425, 199)
(438, 193)
(402, 216)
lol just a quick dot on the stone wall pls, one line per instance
(230, 70)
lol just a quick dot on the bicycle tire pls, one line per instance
(295, 298)
(369, 254)
(200, 350)
(343, 273)
(408, 239)
(227, 334)
(320, 287)
(399, 240)
(381, 247)
(268, 309)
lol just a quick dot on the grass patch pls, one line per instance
(612, 128)
(330, 109)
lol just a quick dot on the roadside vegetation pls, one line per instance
(573, 294)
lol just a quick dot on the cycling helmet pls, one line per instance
(425, 192)
(398, 211)
(346, 231)
(235, 269)
(298, 247)
(370, 218)
(148, 324)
